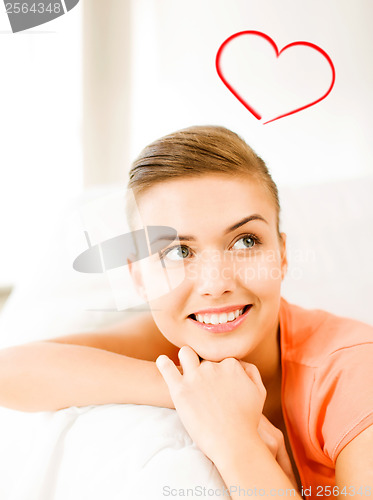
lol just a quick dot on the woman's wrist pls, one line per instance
(249, 464)
(239, 447)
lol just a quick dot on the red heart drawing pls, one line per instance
(278, 53)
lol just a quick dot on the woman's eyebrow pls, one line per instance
(228, 230)
(170, 238)
(167, 237)
(245, 221)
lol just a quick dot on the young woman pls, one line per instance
(280, 398)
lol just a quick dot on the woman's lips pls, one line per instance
(223, 327)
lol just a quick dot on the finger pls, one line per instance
(254, 374)
(189, 359)
(169, 371)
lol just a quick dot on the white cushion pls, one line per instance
(96, 452)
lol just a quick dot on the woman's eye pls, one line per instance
(177, 253)
(245, 242)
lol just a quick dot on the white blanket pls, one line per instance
(115, 452)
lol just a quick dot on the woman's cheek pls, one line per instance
(168, 308)
(261, 273)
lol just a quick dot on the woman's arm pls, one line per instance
(249, 465)
(137, 336)
(80, 370)
(354, 467)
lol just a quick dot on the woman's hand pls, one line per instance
(220, 404)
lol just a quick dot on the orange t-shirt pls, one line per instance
(327, 389)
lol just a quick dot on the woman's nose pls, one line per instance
(214, 276)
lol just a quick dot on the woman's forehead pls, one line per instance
(207, 200)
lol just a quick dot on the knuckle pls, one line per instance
(279, 436)
(270, 442)
(253, 370)
(180, 389)
(230, 362)
(272, 446)
(250, 366)
(207, 365)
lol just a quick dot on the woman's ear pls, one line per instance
(136, 276)
(283, 253)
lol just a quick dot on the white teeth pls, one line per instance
(215, 319)
(223, 318)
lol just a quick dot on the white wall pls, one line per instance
(175, 83)
(40, 134)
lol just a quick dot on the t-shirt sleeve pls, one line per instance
(342, 398)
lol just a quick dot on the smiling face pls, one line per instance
(221, 281)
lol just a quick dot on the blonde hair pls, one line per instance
(197, 151)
